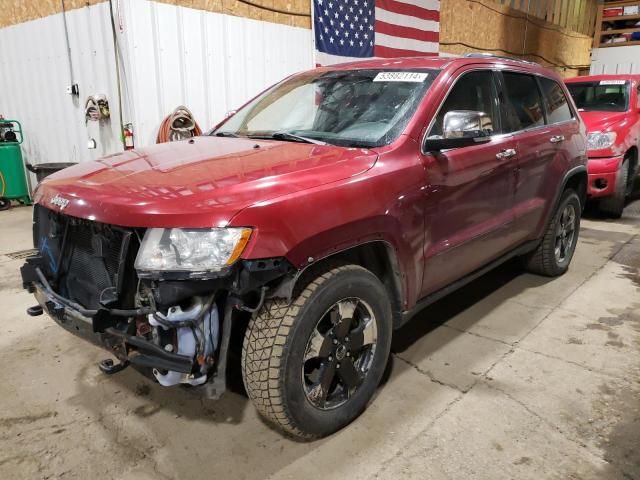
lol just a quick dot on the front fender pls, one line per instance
(384, 204)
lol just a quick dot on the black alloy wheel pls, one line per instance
(565, 232)
(339, 353)
(554, 253)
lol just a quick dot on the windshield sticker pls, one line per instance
(613, 82)
(416, 77)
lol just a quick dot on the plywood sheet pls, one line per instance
(19, 11)
(484, 25)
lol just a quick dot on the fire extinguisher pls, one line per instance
(127, 134)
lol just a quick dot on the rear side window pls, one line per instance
(523, 102)
(473, 91)
(556, 103)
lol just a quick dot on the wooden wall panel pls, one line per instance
(485, 26)
(575, 15)
(19, 11)
(273, 11)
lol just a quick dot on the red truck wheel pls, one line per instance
(613, 206)
(311, 367)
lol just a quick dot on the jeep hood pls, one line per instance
(202, 183)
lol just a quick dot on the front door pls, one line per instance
(472, 189)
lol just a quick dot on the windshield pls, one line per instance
(356, 108)
(603, 96)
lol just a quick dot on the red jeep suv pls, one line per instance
(610, 108)
(313, 222)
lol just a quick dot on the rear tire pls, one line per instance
(291, 351)
(5, 203)
(613, 206)
(554, 254)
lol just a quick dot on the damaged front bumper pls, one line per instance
(125, 347)
(119, 331)
(90, 325)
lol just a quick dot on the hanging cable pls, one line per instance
(179, 125)
(274, 10)
(515, 54)
(554, 27)
(68, 44)
(4, 185)
(118, 80)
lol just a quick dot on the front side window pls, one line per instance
(601, 96)
(556, 103)
(365, 108)
(474, 91)
(524, 105)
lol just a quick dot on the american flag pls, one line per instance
(347, 30)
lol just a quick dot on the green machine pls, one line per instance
(13, 180)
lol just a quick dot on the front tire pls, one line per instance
(312, 366)
(554, 254)
(613, 206)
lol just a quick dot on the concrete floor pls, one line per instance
(515, 376)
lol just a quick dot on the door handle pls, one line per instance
(557, 139)
(507, 153)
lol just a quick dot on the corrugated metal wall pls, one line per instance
(34, 72)
(170, 55)
(210, 62)
(615, 60)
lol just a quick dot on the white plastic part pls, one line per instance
(187, 341)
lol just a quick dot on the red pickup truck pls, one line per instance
(610, 107)
(322, 215)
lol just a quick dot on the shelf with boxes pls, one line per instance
(617, 24)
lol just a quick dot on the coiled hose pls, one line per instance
(179, 125)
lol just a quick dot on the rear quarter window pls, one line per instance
(556, 103)
(524, 104)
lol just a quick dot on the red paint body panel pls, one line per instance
(387, 203)
(442, 215)
(541, 166)
(199, 184)
(603, 164)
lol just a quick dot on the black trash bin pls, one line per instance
(43, 170)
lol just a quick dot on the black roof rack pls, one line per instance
(492, 55)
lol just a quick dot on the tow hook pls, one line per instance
(107, 366)
(34, 311)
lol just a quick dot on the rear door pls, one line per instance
(543, 126)
(470, 187)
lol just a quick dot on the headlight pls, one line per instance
(600, 140)
(190, 249)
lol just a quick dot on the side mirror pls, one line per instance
(461, 128)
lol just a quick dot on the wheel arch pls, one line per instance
(577, 179)
(632, 155)
(377, 256)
